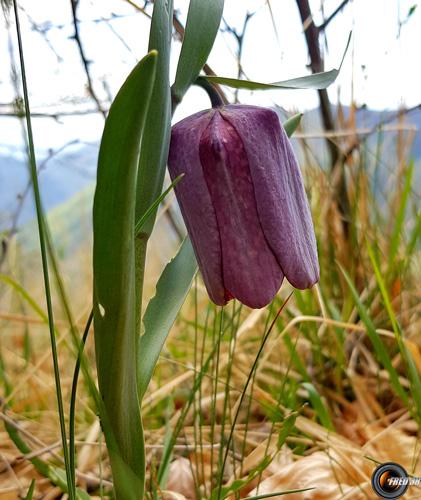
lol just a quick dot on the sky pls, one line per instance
(381, 68)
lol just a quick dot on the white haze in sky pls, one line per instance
(381, 68)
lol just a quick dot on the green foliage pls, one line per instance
(400, 216)
(280, 493)
(411, 10)
(238, 484)
(161, 312)
(131, 169)
(318, 405)
(31, 489)
(116, 337)
(156, 136)
(292, 124)
(315, 81)
(202, 25)
(413, 374)
(56, 475)
(376, 341)
(287, 427)
(152, 209)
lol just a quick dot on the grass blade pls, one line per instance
(54, 474)
(376, 341)
(152, 209)
(243, 395)
(280, 493)
(318, 406)
(400, 216)
(405, 352)
(31, 489)
(44, 257)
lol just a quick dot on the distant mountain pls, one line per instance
(379, 148)
(73, 170)
(367, 119)
(60, 178)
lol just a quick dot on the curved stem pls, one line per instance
(214, 96)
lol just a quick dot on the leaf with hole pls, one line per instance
(161, 312)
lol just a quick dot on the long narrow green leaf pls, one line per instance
(26, 296)
(31, 489)
(142, 221)
(156, 137)
(167, 452)
(239, 484)
(155, 142)
(292, 124)
(171, 291)
(280, 493)
(116, 336)
(375, 339)
(54, 474)
(315, 81)
(72, 407)
(203, 20)
(287, 427)
(405, 353)
(413, 238)
(318, 406)
(400, 216)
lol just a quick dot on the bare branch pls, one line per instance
(323, 26)
(356, 144)
(54, 116)
(240, 42)
(311, 32)
(85, 62)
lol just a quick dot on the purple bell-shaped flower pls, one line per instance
(244, 204)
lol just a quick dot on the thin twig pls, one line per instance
(239, 36)
(377, 127)
(311, 32)
(85, 62)
(54, 116)
(325, 24)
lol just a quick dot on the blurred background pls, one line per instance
(72, 79)
(360, 150)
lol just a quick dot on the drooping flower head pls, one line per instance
(244, 204)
